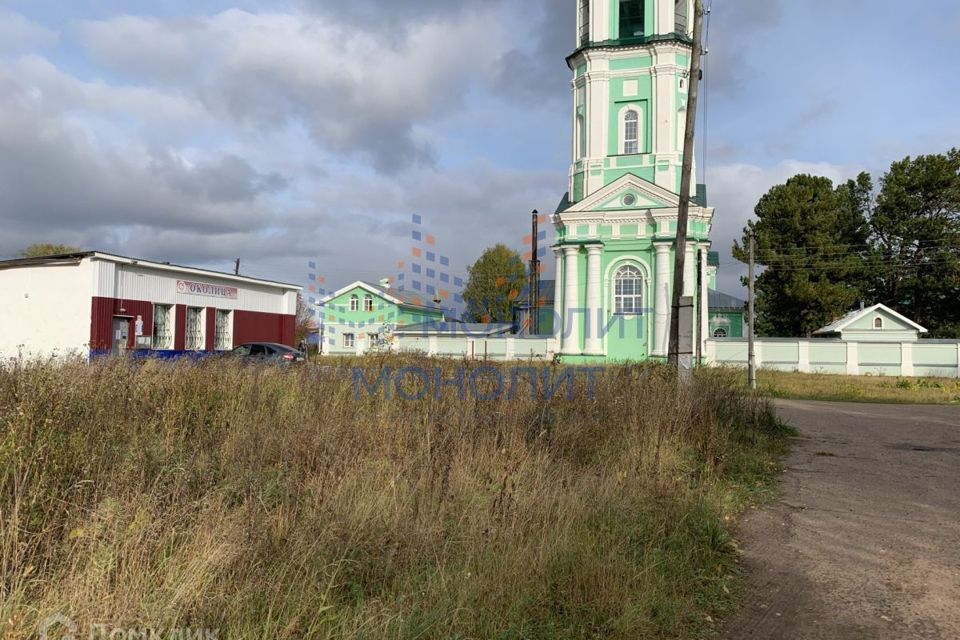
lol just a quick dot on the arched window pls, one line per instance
(878, 324)
(628, 291)
(631, 18)
(354, 303)
(631, 132)
(681, 22)
(368, 303)
(720, 333)
(584, 22)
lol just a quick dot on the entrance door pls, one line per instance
(121, 335)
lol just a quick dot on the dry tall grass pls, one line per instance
(273, 503)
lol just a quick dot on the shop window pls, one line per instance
(194, 329)
(628, 291)
(631, 18)
(349, 341)
(162, 326)
(223, 339)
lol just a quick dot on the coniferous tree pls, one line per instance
(810, 242)
(915, 233)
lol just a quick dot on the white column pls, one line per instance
(594, 345)
(661, 299)
(558, 296)
(704, 331)
(689, 269)
(571, 296)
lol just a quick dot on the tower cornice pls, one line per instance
(627, 44)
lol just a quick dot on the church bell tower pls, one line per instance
(631, 69)
(617, 225)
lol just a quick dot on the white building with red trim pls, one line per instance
(94, 303)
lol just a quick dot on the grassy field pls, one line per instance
(272, 503)
(814, 386)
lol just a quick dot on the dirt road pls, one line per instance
(865, 540)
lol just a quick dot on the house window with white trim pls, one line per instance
(628, 291)
(368, 303)
(354, 303)
(222, 338)
(162, 326)
(878, 324)
(194, 329)
(631, 132)
(349, 341)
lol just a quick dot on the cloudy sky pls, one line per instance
(285, 132)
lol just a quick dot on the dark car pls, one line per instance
(268, 352)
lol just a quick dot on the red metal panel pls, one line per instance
(180, 330)
(211, 331)
(101, 319)
(253, 326)
(103, 311)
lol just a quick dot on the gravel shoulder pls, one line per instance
(864, 541)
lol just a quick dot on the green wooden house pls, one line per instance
(363, 316)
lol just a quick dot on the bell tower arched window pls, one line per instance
(628, 291)
(631, 18)
(681, 19)
(584, 22)
(631, 132)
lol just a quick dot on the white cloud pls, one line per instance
(17, 33)
(352, 89)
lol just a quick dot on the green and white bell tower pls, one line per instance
(617, 225)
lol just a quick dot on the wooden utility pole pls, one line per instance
(685, 184)
(751, 319)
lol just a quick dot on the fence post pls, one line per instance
(803, 356)
(710, 353)
(853, 359)
(906, 359)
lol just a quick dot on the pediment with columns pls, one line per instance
(629, 199)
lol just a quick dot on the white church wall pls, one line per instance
(926, 358)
